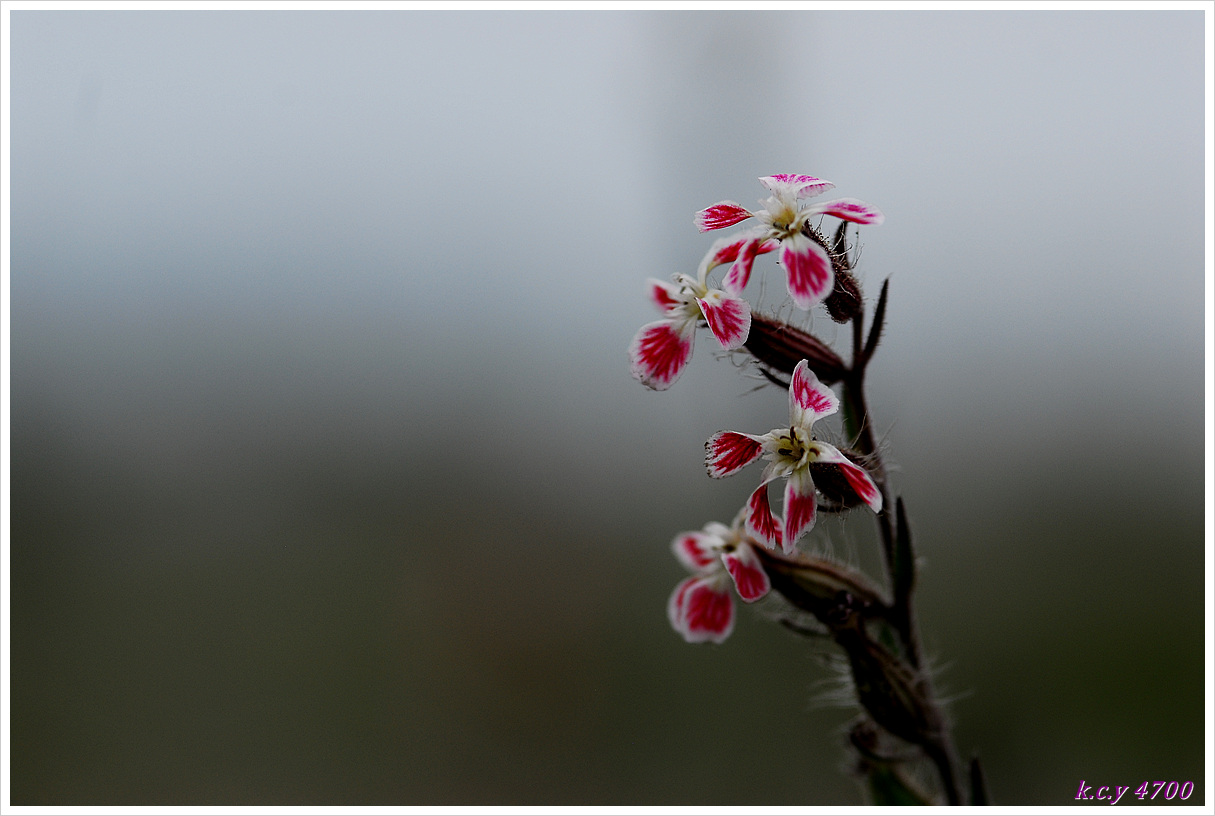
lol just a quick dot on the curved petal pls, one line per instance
(736, 279)
(809, 399)
(808, 270)
(663, 295)
(800, 507)
(858, 478)
(728, 452)
(749, 577)
(696, 550)
(799, 185)
(850, 209)
(658, 353)
(729, 317)
(726, 250)
(762, 525)
(701, 610)
(720, 215)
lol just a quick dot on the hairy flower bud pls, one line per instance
(891, 692)
(780, 347)
(816, 585)
(844, 302)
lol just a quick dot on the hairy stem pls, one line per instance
(900, 571)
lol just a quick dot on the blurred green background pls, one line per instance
(330, 484)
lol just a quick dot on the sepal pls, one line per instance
(780, 347)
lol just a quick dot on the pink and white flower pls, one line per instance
(790, 453)
(807, 264)
(702, 607)
(660, 350)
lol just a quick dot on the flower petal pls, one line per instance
(728, 452)
(801, 186)
(663, 295)
(736, 279)
(749, 577)
(762, 525)
(696, 550)
(701, 610)
(729, 317)
(659, 352)
(800, 507)
(809, 399)
(858, 478)
(722, 214)
(808, 270)
(851, 209)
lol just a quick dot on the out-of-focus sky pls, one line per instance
(330, 483)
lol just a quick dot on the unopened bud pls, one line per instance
(844, 302)
(890, 690)
(780, 347)
(821, 587)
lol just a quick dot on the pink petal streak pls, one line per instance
(809, 399)
(762, 525)
(850, 209)
(728, 452)
(720, 215)
(800, 507)
(801, 186)
(729, 318)
(808, 271)
(749, 577)
(658, 354)
(701, 611)
(663, 295)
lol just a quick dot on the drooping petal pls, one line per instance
(736, 279)
(726, 250)
(728, 452)
(762, 524)
(749, 577)
(800, 507)
(659, 352)
(801, 186)
(809, 399)
(663, 295)
(808, 270)
(720, 215)
(729, 317)
(696, 550)
(701, 609)
(851, 209)
(858, 479)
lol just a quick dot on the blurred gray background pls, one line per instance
(330, 484)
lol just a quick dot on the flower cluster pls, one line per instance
(701, 608)
(756, 556)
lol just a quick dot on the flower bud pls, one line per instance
(780, 347)
(817, 586)
(844, 302)
(890, 691)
